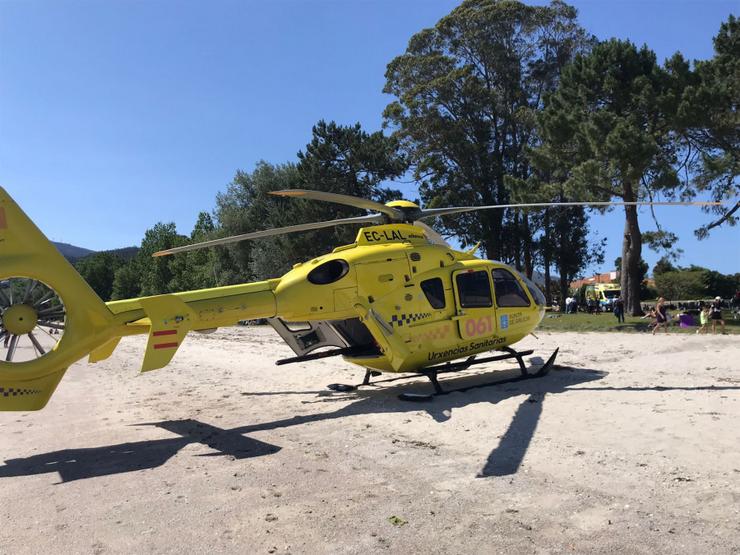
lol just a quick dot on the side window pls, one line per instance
(508, 290)
(434, 291)
(328, 272)
(474, 289)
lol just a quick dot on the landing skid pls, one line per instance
(433, 371)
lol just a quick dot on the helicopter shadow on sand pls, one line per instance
(504, 459)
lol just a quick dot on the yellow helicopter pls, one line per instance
(399, 299)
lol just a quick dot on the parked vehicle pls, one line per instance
(603, 294)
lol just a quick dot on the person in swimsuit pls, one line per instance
(715, 315)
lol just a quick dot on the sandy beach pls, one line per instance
(630, 445)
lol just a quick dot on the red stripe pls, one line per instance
(164, 332)
(165, 345)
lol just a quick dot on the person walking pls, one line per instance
(661, 316)
(715, 315)
(619, 309)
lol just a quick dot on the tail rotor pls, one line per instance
(32, 319)
(49, 316)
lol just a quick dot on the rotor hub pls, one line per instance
(20, 319)
(410, 211)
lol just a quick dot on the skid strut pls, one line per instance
(433, 372)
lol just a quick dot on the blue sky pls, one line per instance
(117, 115)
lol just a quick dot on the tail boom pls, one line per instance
(86, 325)
(168, 318)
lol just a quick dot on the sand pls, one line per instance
(630, 445)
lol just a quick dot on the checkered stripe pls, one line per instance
(13, 392)
(438, 333)
(408, 318)
(435, 334)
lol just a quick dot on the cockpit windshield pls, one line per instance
(612, 294)
(534, 291)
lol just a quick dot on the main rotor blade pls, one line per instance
(369, 219)
(433, 212)
(431, 234)
(336, 198)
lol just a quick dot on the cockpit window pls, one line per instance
(507, 288)
(534, 290)
(474, 289)
(328, 272)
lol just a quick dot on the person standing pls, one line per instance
(715, 315)
(619, 309)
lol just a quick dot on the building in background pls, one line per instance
(608, 277)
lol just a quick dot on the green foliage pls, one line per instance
(610, 113)
(662, 266)
(682, 284)
(348, 160)
(664, 241)
(724, 285)
(498, 102)
(467, 93)
(162, 274)
(196, 269)
(708, 123)
(568, 240)
(98, 270)
(648, 293)
(143, 275)
(339, 159)
(247, 206)
(696, 282)
(607, 133)
(642, 268)
(126, 282)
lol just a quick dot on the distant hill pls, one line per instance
(74, 253)
(71, 252)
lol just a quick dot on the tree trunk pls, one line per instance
(528, 262)
(548, 283)
(491, 241)
(491, 223)
(564, 284)
(631, 255)
(516, 239)
(489, 248)
(546, 256)
(496, 226)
